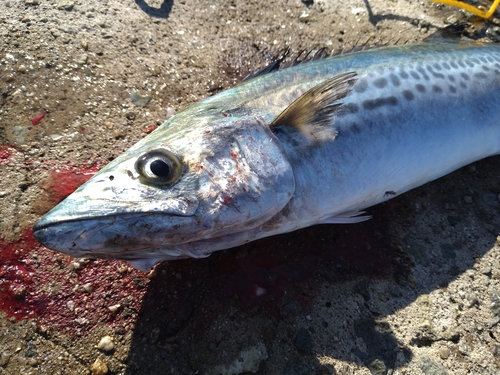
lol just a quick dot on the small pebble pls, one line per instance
(99, 367)
(495, 303)
(468, 199)
(114, 308)
(65, 5)
(378, 367)
(444, 353)
(32, 362)
(259, 291)
(82, 59)
(486, 270)
(19, 291)
(493, 322)
(451, 20)
(106, 344)
(303, 341)
(4, 358)
(87, 287)
(472, 300)
(56, 137)
(464, 349)
(84, 44)
(430, 367)
(139, 100)
(171, 112)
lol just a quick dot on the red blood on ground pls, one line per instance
(38, 283)
(63, 182)
(36, 120)
(16, 276)
(60, 292)
(149, 129)
(6, 152)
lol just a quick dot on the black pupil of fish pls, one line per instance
(160, 168)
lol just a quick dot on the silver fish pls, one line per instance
(314, 143)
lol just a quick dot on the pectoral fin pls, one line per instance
(312, 114)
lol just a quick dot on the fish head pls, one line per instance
(177, 193)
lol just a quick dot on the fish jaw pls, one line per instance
(235, 177)
(125, 237)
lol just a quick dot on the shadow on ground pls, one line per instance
(162, 12)
(376, 18)
(270, 292)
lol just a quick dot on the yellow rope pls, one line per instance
(470, 8)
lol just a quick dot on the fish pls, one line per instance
(315, 142)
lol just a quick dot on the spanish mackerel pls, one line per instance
(317, 142)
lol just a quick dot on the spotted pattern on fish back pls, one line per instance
(381, 91)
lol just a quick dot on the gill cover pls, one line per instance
(250, 174)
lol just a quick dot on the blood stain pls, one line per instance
(62, 182)
(6, 152)
(151, 128)
(38, 283)
(36, 120)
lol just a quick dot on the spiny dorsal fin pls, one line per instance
(312, 113)
(302, 57)
(272, 67)
(453, 31)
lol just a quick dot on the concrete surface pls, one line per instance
(415, 290)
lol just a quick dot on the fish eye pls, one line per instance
(159, 167)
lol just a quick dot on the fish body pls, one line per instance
(314, 143)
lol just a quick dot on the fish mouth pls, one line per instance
(123, 237)
(98, 228)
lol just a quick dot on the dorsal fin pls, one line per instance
(305, 57)
(272, 67)
(302, 58)
(312, 113)
(453, 31)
